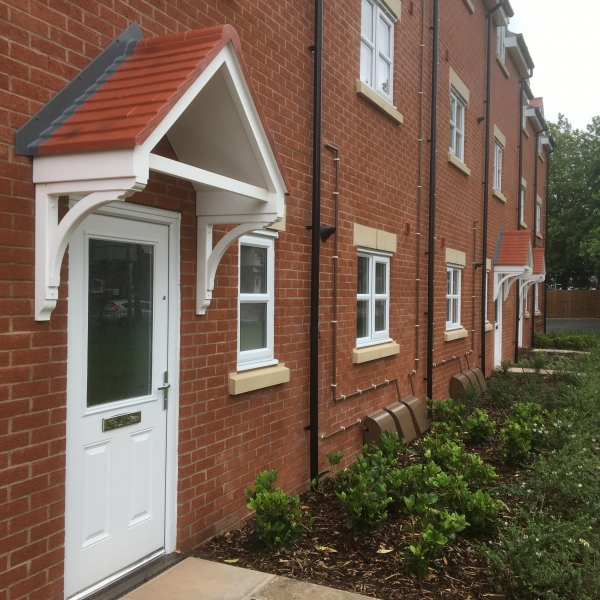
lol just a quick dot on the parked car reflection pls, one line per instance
(119, 311)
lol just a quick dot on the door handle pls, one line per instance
(165, 389)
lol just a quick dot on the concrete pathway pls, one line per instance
(198, 579)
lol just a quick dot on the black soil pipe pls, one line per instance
(520, 199)
(432, 193)
(486, 181)
(316, 221)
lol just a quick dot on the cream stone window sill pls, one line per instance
(459, 164)
(541, 158)
(362, 355)
(527, 315)
(364, 91)
(488, 326)
(523, 225)
(525, 132)
(455, 334)
(498, 194)
(538, 313)
(539, 235)
(469, 6)
(502, 65)
(256, 379)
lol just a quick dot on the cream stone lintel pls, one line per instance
(469, 6)
(541, 157)
(503, 67)
(364, 91)
(488, 326)
(539, 235)
(523, 225)
(525, 132)
(369, 237)
(256, 379)
(362, 355)
(488, 264)
(523, 183)
(395, 7)
(459, 164)
(538, 199)
(498, 194)
(456, 257)
(538, 313)
(280, 225)
(459, 86)
(499, 136)
(455, 334)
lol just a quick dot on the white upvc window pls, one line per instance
(524, 116)
(372, 298)
(377, 47)
(538, 218)
(256, 301)
(501, 42)
(457, 125)
(487, 278)
(536, 296)
(522, 205)
(453, 277)
(498, 166)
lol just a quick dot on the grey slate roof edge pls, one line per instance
(55, 112)
(497, 253)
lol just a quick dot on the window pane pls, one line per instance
(455, 277)
(253, 326)
(455, 311)
(120, 294)
(362, 318)
(383, 38)
(253, 270)
(448, 283)
(380, 320)
(363, 275)
(453, 109)
(383, 76)
(366, 64)
(367, 20)
(380, 278)
(448, 309)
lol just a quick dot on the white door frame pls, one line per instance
(140, 213)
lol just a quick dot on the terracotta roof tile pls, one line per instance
(537, 102)
(538, 260)
(514, 248)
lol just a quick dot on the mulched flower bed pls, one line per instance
(332, 555)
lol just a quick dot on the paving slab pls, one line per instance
(198, 579)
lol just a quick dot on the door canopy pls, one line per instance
(538, 274)
(513, 259)
(95, 142)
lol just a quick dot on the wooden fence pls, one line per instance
(573, 304)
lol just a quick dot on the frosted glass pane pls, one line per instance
(366, 64)
(367, 20)
(120, 294)
(383, 38)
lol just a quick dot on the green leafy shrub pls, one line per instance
(278, 515)
(479, 426)
(539, 361)
(516, 442)
(449, 432)
(391, 446)
(482, 511)
(566, 340)
(334, 459)
(503, 389)
(472, 396)
(448, 411)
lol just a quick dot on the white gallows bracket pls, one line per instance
(52, 237)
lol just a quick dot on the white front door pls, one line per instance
(116, 413)
(498, 331)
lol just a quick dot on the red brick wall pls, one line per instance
(225, 440)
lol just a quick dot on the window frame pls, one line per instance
(522, 205)
(457, 150)
(380, 11)
(538, 218)
(262, 357)
(452, 295)
(498, 150)
(381, 336)
(501, 42)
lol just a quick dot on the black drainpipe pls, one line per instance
(517, 320)
(546, 229)
(432, 174)
(317, 50)
(486, 180)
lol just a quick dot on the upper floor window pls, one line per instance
(453, 276)
(372, 298)
(256, 301)
(538, 217)
(377, 47)
(501, 42)
(522, 205)
(498, 166)
(457, 125)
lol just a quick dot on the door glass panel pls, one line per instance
(120, 294)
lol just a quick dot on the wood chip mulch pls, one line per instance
(372, 564)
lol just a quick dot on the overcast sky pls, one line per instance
(562, 37)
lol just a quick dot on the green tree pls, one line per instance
(573, 257)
